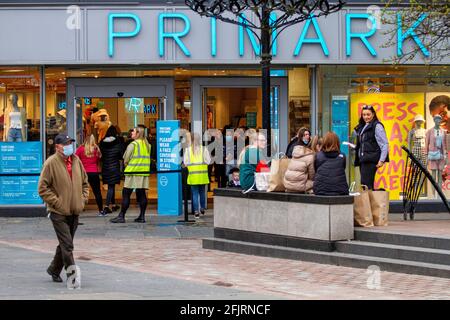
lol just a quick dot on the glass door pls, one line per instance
(96, 115)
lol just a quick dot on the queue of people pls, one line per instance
(317, 165)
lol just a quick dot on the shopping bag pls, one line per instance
(379, 203)
(277, 170)
(362, 210)
(262, 180)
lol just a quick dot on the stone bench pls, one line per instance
(278, 218)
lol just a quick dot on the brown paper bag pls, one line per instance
(379, 202)
(362, 210)
(277, 170)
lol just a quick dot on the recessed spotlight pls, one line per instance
(388, 74)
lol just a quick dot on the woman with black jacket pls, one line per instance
(111, 148)
(303, 138)
(372, 146)
(329, 164)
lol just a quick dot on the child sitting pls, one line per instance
(234, 182)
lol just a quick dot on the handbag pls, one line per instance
(362, 210)
(379, 203)
(277, 170)
(262, 180)
(434, 155)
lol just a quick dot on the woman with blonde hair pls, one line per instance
(196, 158)
(329, 165)
(137, 171)
(89, 154)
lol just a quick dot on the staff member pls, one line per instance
(372, 146)
(136, 159)
(196, 159)
(64, 187)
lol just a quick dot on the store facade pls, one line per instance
(143, 63)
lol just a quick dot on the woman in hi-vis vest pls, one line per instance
(137, 172)
(196, 159)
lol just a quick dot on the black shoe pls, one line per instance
(115, 208)
(119, 219)
(202, 211)
(196, 215)
(106, 210)
(140, 219)
(55, 277)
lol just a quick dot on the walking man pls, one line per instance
(64, 187)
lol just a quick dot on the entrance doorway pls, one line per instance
(234, 103)
(99, 104)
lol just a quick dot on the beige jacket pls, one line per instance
(299, 176)
(63, 195)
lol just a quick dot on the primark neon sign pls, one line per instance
(310, 23)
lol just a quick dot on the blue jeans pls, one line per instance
(198, 190)
(14, 135)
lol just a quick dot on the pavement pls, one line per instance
(164, 259)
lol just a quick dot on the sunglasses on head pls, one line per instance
(368, 108)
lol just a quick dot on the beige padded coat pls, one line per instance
(299, 175)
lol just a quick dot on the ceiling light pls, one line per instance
(354, 83)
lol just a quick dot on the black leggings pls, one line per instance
(141, 198)
(368, 171)
(94, 182)
(111, 195)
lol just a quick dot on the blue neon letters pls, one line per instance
(362, 36)
(349, 34)
(410, 32)
(112, 34)
(320, 40)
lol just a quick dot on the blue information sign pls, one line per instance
(168, 159)
(340, 120)
(17, 159)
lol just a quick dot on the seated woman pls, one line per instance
(249, 159)
(329, 165)
(299, 175)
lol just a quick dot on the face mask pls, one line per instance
(228, 138)
(305, 141)
(68, 150)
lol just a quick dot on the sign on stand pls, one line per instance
(168, 159)
(20, 167)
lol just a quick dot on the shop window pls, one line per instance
(399, 95)
(299, 108)
(20, 147)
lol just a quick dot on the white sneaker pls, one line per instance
(196, 215)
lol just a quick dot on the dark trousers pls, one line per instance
(141, 198)
(94, 182)
(221, 178)
(368, 171)
(65, 227)
(111, 195)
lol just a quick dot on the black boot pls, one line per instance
(119, 219)
(141, 218)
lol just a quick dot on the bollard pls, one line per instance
(184, 174)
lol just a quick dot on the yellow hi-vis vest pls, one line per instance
(140, 160)
(198, 170)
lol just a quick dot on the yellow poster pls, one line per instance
(396, 111)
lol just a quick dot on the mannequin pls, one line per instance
(15, 125)
(435, 147)
(416, 140)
